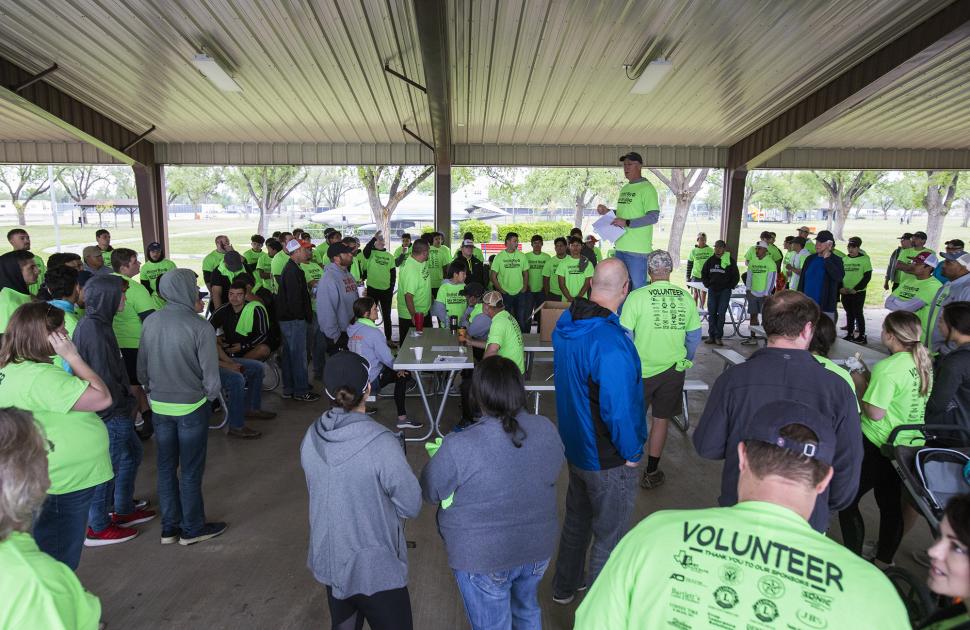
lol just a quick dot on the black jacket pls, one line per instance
(831, 280)
(716, 278)
(95, 340)
(773, 374)
(293, 297)
(949, 401)
(476, 270)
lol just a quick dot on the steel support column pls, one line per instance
(442, 199)
(732, 207)
(152, 203)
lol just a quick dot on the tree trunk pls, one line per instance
(21, 213)
(966, 213)
(578, 216)
(677, 229)
(934, 229)
(838, 213)
(263, 221)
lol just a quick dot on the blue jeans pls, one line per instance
(317, 342)
(244, 390)
(636, 266)
(599, 504)
(518, 307)
(294, 361)
(125, 450)
(717, 306)
(62, 525)
(503, 599)
(181, 444)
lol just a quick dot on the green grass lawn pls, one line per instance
(191, 240)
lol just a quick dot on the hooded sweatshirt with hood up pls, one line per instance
(360, 487)
(96, 343)
(336, 295)
(13, 289)
(177, 357)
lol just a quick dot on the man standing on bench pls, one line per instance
(666, 332)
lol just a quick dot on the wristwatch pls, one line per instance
(628, 222)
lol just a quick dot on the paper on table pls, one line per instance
(605, 228)
(441, 358)
(445, 348)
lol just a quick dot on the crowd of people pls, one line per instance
(98, 358)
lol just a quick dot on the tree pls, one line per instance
(400, 181)
(843, 189)
(713, 193)
(267, 186)
(752, 186)
(684, 186)
(24, 183)
(461, 176)
(578, 187)
(963, 194)
(124, 183)
(941, 189)
(326, 186)
(79, 181)
(787, 191)
(195, 183)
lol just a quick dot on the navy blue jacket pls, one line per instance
(599, 396)
(831, 280)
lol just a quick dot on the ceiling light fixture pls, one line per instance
(216, 74)
(651, 76)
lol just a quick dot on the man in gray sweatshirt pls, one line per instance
(336, 294)
(178, 365)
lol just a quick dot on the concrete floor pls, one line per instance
(255, 575)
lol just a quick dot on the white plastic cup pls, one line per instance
(418, 353)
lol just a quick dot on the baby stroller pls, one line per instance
(932, 474)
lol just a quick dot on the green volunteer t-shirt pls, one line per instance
(925, 290)
(398, 252)
(855, 268)
(660, 314)
(40, 592)
(437, 258)
(79, 456)
(635, 201)
(414, 279)
(9, 301)
(754, 565)
(758, 270)
(152, 271)
(357, 266)
(174, 409)
(212, 260)
(699, 256)
(775, 253)
(906, 257)
(312, 272)
(549, 271)
(277, 263)
(509, 267)
(455, 304)
(127, 324)
(476, 311)
(265, 264)
(894, 386)
(42, 268)
(574, 273)
(505, 332)
(835, 368)
(810, 246)
(252, 257)
(378, 268)
(537, 264)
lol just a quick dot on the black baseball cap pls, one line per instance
(473, 289)
(921, 235)
(633, 156)
(336, 249)
(824, 237)
(345, 369)
(957, 243)
(766, 423)
(855, 241)
(154, 245)
(906, 236)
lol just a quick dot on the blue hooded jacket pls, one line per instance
(599, 396)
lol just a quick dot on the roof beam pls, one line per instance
(907, 53)
(25, 91)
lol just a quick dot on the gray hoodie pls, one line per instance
(369, 342)
(336, 295)
(360, 487)
(95, 340)
(177, 357)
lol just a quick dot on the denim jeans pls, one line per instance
(717, 306)
(636, 266)
(503, 599)
(599, 504)
(317, 343)
(294, 362)
(518, 307)
(62, 525)
(181, 442)
(244, 390)
(125, 450)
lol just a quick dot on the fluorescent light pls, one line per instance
(215, 73)
(652, 75)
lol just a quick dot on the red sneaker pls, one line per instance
(111, 535)
(135, 518)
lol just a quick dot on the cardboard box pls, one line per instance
(549, 314)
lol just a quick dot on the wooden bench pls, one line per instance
(690, 385)
(730, 357)
(537, 387)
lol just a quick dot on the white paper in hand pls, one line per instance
(605, 228)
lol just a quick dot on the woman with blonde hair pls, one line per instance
(894, 394)
(63, 405)
(38, 591)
